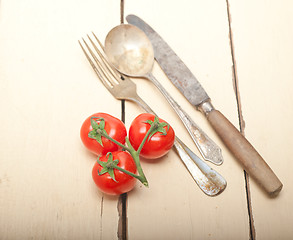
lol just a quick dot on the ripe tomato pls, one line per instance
(113, 126)
(158, 145)
(124, 182)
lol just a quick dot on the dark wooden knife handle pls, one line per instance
(252, 162)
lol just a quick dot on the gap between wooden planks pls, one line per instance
(241, 122)
(122, 202)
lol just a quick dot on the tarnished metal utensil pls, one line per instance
(131, 53)
(189, 86)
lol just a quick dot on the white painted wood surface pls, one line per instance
(47, 88)
(264, 53)
(47, 91)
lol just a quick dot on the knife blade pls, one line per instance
(179, 74)
(189, 86)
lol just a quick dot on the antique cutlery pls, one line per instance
(189, 86)
(209, 181)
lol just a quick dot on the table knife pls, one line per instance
(190, 87)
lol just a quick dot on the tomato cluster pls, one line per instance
(115, 170)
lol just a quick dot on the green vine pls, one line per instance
(108, 167)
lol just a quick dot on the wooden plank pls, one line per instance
(47, 90)
(263, 39)
(174, 207)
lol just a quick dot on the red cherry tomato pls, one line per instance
(158, 145)
(113, 126)
(124, 182)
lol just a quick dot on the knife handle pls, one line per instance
(252, 162)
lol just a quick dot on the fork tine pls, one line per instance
(99, 42)
(97, 68)
(87, 56)
(110, 71)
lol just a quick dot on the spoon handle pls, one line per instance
(207, 147)
(208, 180)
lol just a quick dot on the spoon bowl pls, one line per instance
(129, 50)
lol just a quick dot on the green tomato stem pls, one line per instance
(134, 153)
(142, 179)
(113, 140)
(153, 126)
(135, 156)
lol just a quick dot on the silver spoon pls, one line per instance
(131, 53)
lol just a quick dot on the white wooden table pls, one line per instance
(242, 53)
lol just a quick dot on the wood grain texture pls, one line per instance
(263, 34)
(47, 90)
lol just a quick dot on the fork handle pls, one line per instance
(142, 103)
(207, 179)
(207, 147)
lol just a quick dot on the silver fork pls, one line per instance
(209, 181)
